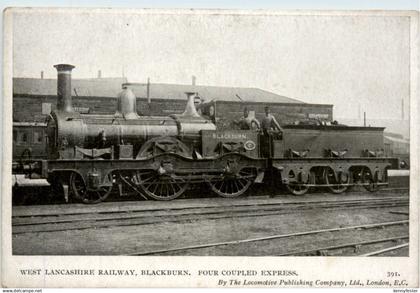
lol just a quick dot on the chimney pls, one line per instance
(42, 74)
(190, 109)
(64, 87)
(99, 73)
(193, 79)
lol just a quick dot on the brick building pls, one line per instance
(33, 99)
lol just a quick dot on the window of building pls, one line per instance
(46, 108)
(38, 137)
(22, 137)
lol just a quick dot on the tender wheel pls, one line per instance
(335, 186)
(161, 187)
(366, 177)
(85, 195)
(297, 188)
(233, 185)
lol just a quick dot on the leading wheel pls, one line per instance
(233, 185)
(90, 196)
(161, 187)
(333, 185)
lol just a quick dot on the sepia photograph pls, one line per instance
(211, 146)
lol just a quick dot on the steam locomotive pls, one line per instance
(90, 155)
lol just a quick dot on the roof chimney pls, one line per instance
(193, 78)
(148, 91)
(99, 73)
(42, 74)
(64, 102)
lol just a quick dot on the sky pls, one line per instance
(356, 63)
(235, 4)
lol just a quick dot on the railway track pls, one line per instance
(134, 197)
(324, 251)
(386, 250)
(355, 246)
(54, 222)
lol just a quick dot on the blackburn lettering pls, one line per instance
(229, 136)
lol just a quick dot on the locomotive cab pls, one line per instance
(270, 143)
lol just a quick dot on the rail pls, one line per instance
(278, 236)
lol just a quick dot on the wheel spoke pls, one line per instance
(179, 186)
(221, 185)
(236, 185)
(160, 192)
(156, 187)
(173, 188)
(167, 189)
(147, 180)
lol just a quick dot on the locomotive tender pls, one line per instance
(89, 155)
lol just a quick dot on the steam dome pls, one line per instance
(126, 104)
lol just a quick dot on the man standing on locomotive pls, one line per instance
(247, 122)
(268, 125)
(269, 122)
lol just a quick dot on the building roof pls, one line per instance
(208, 93)
(110, 87)
(398, 140)
(92, 87)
